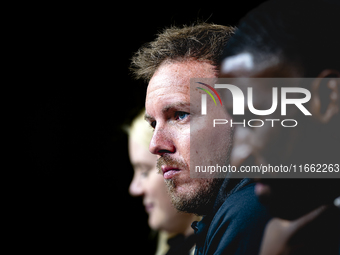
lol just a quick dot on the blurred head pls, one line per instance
(168, 63)
(286, 39)
(149, 185)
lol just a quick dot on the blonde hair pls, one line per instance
(140, 131)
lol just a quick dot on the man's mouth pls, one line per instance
(169, 171)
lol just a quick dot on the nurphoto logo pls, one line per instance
(238, 105)
(243, 127)
(204, 97)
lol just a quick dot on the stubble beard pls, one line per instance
(197, 200)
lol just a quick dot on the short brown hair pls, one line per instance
(204, 42)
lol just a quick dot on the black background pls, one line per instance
(75, 94)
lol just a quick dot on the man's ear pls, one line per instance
(325, 98)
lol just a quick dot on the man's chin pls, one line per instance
(196, 197)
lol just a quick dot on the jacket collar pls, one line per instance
(228, 187)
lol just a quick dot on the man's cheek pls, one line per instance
(183, 147)
(200, 153)
(208, 146)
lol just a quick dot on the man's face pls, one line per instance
(285, 198)
(170, 113)
(257, 144)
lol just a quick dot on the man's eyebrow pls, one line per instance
(167, 108)
(148, 117)
(175, 105)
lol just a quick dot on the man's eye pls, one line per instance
(153, 124)
(181, 115)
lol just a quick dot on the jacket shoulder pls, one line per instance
(238, 225)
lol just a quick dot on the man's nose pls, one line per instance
(162, 142)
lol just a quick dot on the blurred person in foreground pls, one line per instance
(289, 39)
(233, 220)
(175, 235)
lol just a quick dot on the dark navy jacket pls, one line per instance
(236, 223)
